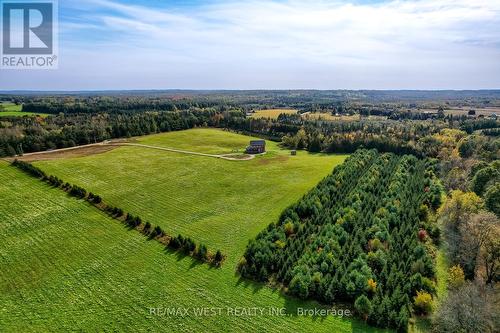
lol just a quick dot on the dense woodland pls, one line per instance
(362, 235)
(84, 120)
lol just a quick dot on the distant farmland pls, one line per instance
(90, 273)
(272, 113)
(14, 110)
(464, 111)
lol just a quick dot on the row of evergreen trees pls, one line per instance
(179, 243)
(355, 238)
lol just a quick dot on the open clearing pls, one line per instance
(13, 110)
(67, 266)
(272, 113)
(463, 111)
(329, 117)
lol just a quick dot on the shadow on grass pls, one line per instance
(180, 255)
(247, 283)
(296, 307)
(341, 312)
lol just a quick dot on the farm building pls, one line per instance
(256, 147)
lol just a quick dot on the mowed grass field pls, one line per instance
(272, 113)
(207, 141)
(66, 266)
(13, 110)
(220, 203)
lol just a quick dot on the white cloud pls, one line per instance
(294, 44)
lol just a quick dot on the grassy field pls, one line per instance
(13, 110)
(200, 141)
(220, 203)
(66, 266)
(272, 113)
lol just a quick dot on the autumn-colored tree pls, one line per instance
(289, 229)
(492, 198)
(480, 229)
(372, 285)
(423, 302)
(470, 308)
(456, 277)
(453, 215)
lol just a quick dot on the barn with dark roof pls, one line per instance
(256, 147)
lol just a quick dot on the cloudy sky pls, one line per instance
(286, 44)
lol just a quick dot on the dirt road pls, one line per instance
(90, 148)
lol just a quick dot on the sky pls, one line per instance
(286, 44)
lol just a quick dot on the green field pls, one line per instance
(67, 266)
(219, 203)
(13, 110)
(205, 141)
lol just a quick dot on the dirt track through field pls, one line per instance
(102, 147)
(229, 157)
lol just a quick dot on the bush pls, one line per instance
(372, 286)
(423, 302)
(54, 181)
(157, 231)
(131, 220)
(118, 212)
(218, 258)
(29, 168)
(456, 277)
(94, 198)
(363, 306)
(189, 245)
(422, 235)
(176, 242)
(202, 252)
(78, 191)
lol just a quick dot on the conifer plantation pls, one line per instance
(361, 236)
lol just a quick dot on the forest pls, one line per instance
(362, 236)
(79, 121)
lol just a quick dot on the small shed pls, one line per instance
(256, 147)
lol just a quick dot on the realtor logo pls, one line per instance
(29, 35)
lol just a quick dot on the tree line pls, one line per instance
(94, 119)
